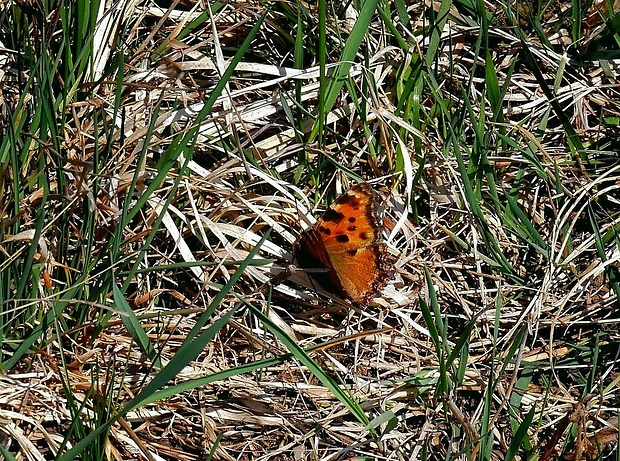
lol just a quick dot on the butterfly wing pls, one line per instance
(311, 254)
(362, 274)
(347, 242)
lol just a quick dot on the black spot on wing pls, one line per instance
(332, 215)
(349, 199)
(342, 238)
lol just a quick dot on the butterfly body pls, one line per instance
(346, 243)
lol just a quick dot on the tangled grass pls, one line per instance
(158, 165)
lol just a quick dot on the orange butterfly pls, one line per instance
(346, 241)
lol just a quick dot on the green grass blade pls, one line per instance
(134, 327)
(189, 350)
(301, 355)
(520, 436)
(348, 57)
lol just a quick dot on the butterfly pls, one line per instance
(347, 242)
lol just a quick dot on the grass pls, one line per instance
(155, 176)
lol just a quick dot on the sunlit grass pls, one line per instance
(154, 179)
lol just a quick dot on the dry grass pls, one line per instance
(498, 335)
